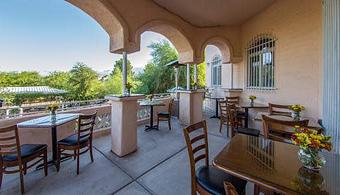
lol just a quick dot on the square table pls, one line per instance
(151, 104)
(247, 106)
(275, 165)
(50, 122)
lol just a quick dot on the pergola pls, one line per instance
(191, 25)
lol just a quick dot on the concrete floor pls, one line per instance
(159, 166)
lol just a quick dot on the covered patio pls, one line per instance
(280, 52)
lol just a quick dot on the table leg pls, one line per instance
(246, 110)
(54, 151)
(216, 110)
(151, 126)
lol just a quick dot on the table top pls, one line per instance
(48, 121)
(276, 165)
(255, 105)
(311, 123)
(151, 103)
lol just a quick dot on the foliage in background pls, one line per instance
(83, 83)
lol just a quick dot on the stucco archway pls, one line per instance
(109, 19)
(171, 32)
(223, 45)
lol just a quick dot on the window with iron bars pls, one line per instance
(260, 63)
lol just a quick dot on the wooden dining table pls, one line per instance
(246, 106)
(275, 165)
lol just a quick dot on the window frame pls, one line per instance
(256, 52)
(216, 63)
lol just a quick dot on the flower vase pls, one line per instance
(53, 114)
(311, 158)
(296, 116)
(252, 102)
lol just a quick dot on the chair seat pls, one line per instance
(72, 140)
(163, 114)
(248, 131)
(27, 150)
(211, 179)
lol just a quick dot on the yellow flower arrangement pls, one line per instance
(53, 107)
(128, 85)
(252, 97)
(310, 139)
(296, 108)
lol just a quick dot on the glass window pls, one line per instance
(216, 66)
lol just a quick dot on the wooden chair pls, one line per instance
(81, 139)
(229, 189)
(12, 154)
(206, 179)
(166, 116)
(233, 100)
(224, 120)
(280, 130)
(276, 109)
(236, 120)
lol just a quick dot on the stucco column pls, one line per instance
(191, 106)
(188, 76)
(231, 75)
(331, 70)
(195, 73)
(123, 123)
(176, 77)
(124, 72)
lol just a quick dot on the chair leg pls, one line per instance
(221, 123)
(25, 168)
(45, 163)
(169, 123)
(22, 185)
(58, 158)
(75, 154)
(1, 175)
(78, 154)
(91, 153)
(157, 121)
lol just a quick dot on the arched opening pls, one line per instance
(174, 34)
(224, 47)
(109, 19)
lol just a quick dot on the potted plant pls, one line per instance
(296, 114)
(53, 108)
(252, 98)
(311, 143)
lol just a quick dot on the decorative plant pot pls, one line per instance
(296, 116)
(311, 159)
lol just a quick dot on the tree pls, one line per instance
(59, 80)
(25, 78)
(80, 81)
(118, 67)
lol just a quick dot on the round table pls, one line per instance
(151, 104)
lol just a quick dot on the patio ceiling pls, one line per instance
(208, 13)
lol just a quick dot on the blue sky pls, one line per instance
(49, 35)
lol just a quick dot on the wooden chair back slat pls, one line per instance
(223, 107)
(200, 157)
(198, 148)
(9, 142)
(85, 125)
(280, 126)
(197, 138)
(233, 100)
(277, 109)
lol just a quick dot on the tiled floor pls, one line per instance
(159, 166)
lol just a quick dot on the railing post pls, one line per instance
(124, 72)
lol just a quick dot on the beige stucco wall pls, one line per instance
(297, 25)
